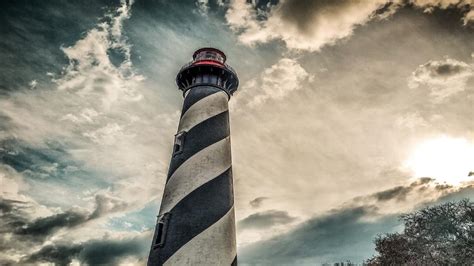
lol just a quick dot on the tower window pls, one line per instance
(179, 143)
(161, 227)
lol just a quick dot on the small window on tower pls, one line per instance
(161, 227)
(179, 143)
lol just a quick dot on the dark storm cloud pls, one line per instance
(400, 192)
(7, 206)
(257, 202)
(265, 219)
(340, 235)
(441, 187)
(57, 254)
(46, 226)
(94, 252)
(422, 181)
(21, 234)
(15, 220)
(12, 215)
(110, 251)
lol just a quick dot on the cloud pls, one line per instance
(344, 233)
(301, 24)
(81, 153)
(12, 183)
(59, 255)
(93, 252)
(25, 223)
(321, 239)
(92, 131)
(400, 192)
(43, 227)
(265, 219)
(276, 82)
(257, 202)
(443, 78)
(262, 226)
(20, 231)
(91, 71)
(106, 204)
(17, 221)
(403, 198)
(33, 84)
(465, 5)
(203, 6)
(88, 139)
(411, 121)
(311, 25)
(13, 215)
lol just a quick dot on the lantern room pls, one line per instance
(209, 54)
(208, 68)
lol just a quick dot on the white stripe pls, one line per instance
(214, 246)
(209, 106)
(202, 167)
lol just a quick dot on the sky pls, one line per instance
(349, 113)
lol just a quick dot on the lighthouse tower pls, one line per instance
(196, 224)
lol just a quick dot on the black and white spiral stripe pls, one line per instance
(198, 196)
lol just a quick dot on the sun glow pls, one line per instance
(446, 159)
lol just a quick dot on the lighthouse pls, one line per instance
(196, 221)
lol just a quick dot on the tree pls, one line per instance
(438, 235)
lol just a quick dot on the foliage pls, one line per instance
(438, 235)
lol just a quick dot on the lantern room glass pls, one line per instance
(209, 55)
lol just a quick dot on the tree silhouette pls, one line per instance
(438, 235)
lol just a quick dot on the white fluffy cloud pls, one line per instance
(275, 82)
(444, 78)
(310, 25)
(91, 73)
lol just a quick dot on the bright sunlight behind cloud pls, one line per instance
(444, 158)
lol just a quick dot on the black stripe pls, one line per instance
(199, 137)
(197, 93)
(234, 262)
(196, 212)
